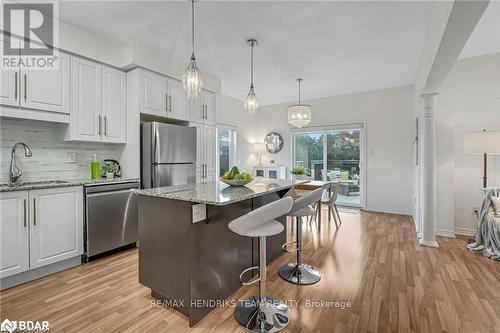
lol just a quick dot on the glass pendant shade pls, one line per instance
(251, 104)
(299, 115)
(192, 79)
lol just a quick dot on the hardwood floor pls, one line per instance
(373, 261)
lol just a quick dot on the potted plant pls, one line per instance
(110, 169)
(298, 172)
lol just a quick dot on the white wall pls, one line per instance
(468, 101)
(230, 111)
(388, 114)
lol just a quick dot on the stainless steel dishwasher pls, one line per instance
(110, 217)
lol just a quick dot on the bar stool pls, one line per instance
(262, 313)
(300, 273)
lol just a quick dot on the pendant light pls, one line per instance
(251, 104)
(299, 115)
(192, 80)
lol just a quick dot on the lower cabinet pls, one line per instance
(40, 227)
(14, 233)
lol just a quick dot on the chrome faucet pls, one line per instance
(15, 173)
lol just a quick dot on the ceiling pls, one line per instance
(337, 47)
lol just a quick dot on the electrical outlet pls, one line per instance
(71, 158)
(199, 212)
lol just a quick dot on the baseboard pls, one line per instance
(430, 244)
(465, 231)
(445, 232)
(14, 280)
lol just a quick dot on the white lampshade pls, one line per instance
(299, 115)
(483, 142)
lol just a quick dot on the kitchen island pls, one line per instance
(187, 255)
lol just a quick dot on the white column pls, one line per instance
(428, 235)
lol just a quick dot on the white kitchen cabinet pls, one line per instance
(177, 100)
(56, 225)
(205, 151)
(209, 142)
(153, 93)
(114, 108)
(203, 109)
(47, 90)
(9, 88)
(85, 117)
(210, 107)
(14, 219)
(99, 110)
(161, 96)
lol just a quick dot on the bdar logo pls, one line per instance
(8, 326)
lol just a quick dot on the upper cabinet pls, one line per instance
(114, 90)
(41, 94)
(161, 96)
(47, 89)
(202, 109)
(98, 111)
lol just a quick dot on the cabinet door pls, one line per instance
(114, 109)
(199, 146)
(209, 142)
(85, 117)
(47, 89)
(177, 101)
(153, 94)
(14, 254)
(9, 87)
(9, 83)
(196, 109)
(210, 107)
(56, 226)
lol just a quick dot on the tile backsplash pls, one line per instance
(52, 156)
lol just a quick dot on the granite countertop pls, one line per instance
(219, 194)
(54, 183)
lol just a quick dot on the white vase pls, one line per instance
(110, 175)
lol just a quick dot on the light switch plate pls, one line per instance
(199, 212)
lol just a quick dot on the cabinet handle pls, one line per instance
(166, 102)
(100, 125)
(25, 213)
(206, 111)
(25, 86)
(34, 211)
(15, 84)
(105, 126)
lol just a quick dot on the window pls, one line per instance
(226, 147)
(333, 154)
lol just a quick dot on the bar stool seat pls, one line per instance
(262, 313)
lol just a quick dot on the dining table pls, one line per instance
(313, 185)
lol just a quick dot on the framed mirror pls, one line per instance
(273, 142)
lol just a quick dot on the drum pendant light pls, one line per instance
(299, 115)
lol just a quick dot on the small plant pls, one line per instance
(298, 171)
(110, 167)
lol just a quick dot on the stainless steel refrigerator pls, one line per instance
(168, 155)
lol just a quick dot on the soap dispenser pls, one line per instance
(95, 168)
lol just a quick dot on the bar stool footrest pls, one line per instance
(247, 283)
(284, 247)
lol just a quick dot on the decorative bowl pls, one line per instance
(235, 182)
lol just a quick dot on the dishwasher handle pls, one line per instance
(111, 187)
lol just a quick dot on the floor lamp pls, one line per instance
(485, 143)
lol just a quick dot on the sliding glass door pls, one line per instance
(334, 154)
